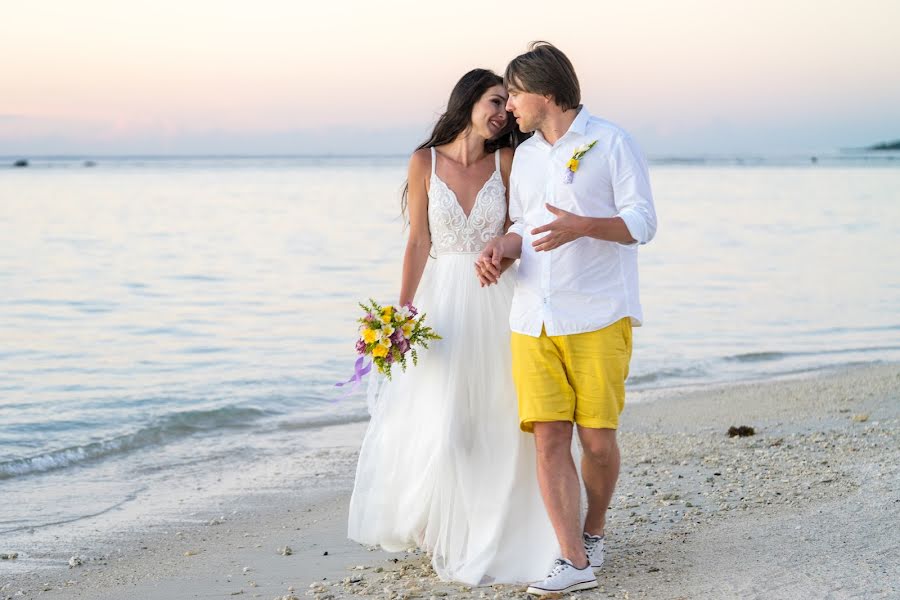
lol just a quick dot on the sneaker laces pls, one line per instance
(592, 541)
(558, 566)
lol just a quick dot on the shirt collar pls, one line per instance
(578, 126)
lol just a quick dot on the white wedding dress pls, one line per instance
(443, 465)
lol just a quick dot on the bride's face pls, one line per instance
(489, 115)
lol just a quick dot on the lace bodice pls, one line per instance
(451, 230)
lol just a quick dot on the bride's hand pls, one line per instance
(488, 267)
(485, 275)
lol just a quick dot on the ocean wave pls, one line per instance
(749, 357)
(161, 431)
(758, 356)
(328, 421)
(762, 363)
(664, 374)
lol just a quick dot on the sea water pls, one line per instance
(159, 315)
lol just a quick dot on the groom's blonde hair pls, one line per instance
(545, 70)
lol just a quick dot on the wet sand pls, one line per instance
(805, 507)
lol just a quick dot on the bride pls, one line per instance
(444, 465)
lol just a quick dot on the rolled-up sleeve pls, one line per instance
(515, 206)
(631, 190)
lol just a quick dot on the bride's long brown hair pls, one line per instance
(458, 117)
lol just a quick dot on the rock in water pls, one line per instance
(21, 163)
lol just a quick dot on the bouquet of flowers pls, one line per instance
(388, 334)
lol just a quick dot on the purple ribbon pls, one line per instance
(358, 373)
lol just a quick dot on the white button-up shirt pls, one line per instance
(586, 284)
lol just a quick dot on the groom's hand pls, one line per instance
(565, 228)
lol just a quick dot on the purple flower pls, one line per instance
(389, 358)
(361, 346)
(369, 317)
(403, 346)
(397, 337)
(412, 309)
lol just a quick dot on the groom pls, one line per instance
(580, 203)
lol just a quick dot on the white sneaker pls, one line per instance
(593, 547)
(564, 578)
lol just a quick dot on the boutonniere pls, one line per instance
(572, 165)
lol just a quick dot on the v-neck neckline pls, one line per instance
(455, 196)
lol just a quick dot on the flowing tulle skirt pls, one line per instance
(443, 465)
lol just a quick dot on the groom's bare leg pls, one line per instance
(560, 487)
(600, 471)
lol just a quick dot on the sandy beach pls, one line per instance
(805, 508)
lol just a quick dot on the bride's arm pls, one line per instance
(419, 243)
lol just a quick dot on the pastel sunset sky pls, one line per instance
(364, 77)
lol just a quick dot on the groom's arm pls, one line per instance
(501, 252)
(506, 262)
(568, 227)
(497, 256)
(510, 245)
(631, 192)
(505, 246)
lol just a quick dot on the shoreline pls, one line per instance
(695, 514)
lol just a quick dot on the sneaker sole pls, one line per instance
(598, 565)
(583, 585)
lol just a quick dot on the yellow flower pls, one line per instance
(385, 341)
(379, 351)
(573, 164)
(407, 330)
(369, 336)
(385, 318)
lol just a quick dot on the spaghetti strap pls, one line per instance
(433, 160)
(496, 160)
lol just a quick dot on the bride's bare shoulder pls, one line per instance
(420, 161)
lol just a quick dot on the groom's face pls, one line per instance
(528, 109)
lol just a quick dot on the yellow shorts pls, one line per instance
(579, 377)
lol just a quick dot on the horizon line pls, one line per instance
(654, 156)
